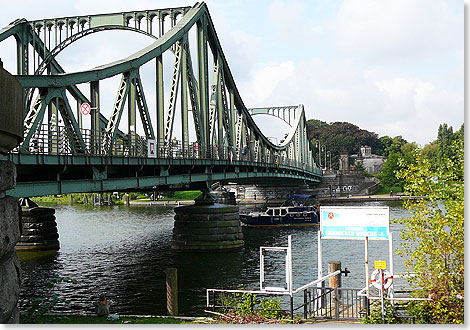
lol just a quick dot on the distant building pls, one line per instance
(344, 160)
(370, 162)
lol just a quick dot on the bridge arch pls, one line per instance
(285, 113)
(224, 128)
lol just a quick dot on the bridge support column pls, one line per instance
(11, 132)
(39, 228)
(207, 226)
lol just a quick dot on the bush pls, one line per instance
(248, 303)
(375, 315)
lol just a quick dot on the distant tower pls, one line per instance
(344, 160)
(366, 151)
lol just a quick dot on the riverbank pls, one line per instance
(260, 202)
(149, 202)
(368, 198)
(79, 318)
(71, 318)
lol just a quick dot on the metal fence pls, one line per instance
(333, 303)
(60, 141)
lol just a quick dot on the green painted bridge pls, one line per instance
(73, 144)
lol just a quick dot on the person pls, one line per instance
(243, 152)
(102, 306)
(391, 193)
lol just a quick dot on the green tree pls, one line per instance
(430, 152)
(390, 167)
(385, 142)
(444, 139)
(395, 145)
(434, 234)
(341, 135)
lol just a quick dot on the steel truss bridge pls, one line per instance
(219, 140)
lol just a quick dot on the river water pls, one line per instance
(123, 252)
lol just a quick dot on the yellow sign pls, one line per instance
(380, 264)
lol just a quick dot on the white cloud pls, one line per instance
(401, 29)
(261, 88)
(367, 62)
(292, 16)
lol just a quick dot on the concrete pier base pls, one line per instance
(39, 228)
(207, 227)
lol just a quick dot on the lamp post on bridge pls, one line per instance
(323, 148)
(317, 144)
(329, 155)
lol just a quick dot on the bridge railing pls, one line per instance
(58, 140)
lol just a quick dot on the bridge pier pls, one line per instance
(11, 132)
(39, 228)
(207, 226)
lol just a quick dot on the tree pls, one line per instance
(388, 173)
(434, 234)
(395, 145)
(430, 152)
(385, 142)
(338, 136)
(444, 139)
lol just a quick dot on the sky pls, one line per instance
(393, 67)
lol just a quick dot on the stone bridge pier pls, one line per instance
(207, 226)
(11, 132)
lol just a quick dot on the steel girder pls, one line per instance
(219, 115)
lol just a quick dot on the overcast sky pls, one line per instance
(393, 67)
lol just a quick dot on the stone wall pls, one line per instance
(10, 231)
(11, 134)
(264, 191)
(346, 184)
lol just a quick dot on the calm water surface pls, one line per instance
(123, 252)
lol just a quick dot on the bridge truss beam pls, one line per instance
(222, 127)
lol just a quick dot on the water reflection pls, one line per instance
(123, 252)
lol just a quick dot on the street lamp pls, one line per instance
(329, 155)
(323, 148)
(317, 144)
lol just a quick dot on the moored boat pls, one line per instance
(292, 212)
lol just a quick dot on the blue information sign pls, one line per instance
(351, 222)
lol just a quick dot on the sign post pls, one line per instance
(151, 148)
(382, 292)
(350, 222)
(359, 223)
(85, 108)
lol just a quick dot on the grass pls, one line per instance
(183, 195)
(65, 199)
(386, 190)
(78, 198)
(89, 319)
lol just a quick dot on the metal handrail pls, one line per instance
(303, 287)
(58, 141)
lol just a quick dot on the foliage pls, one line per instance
(421, 310)
(434, 234)
(444, 139)
(78, 198)
(339, 136)
(385, 190)
(430, 152)
(45, 304)
(389, 168)
(375, 314)
(182, 195)
(248, 303)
